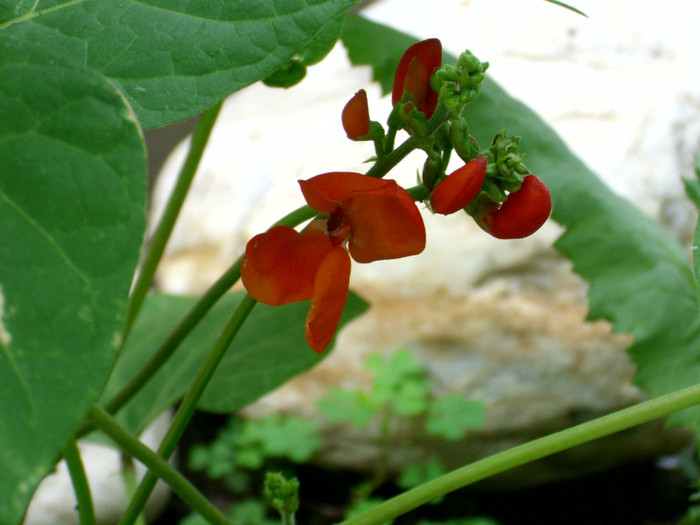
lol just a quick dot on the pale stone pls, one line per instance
(498, 321)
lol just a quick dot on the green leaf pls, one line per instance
(567, 6)
(400, 382)
(174, 58)
(351, 406)
(414, 475)
(278, 437)
(72, 216)
(450, 417)
(640, 278)
(269, 350)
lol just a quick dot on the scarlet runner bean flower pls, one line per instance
(413, 74)
(457, 190)
(376, 219)
(522, 214)
(355, 116)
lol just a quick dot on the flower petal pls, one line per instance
(384, 226)
(280, 265)
(331, 288)
(355, 116)
(461, 187)
(325, 192)
(429, 52)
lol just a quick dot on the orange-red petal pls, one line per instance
(325, 192)
(459, 188)
(385, 222)
(355, 116)
(330, 292)
(280, 265)
(386, 226)
(429, 53)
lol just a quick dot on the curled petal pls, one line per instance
(280, 265)
(523, 212)
(355, 116)
(330, 292)
(458, 189)
(408, 78)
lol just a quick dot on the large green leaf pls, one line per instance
(174, 58)
(640, 277)
(269, 350)
(72, 216)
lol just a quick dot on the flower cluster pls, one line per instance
(367, 218)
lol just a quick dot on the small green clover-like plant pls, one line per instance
(400, 382)
(415, 475)
(400, 387)
(275, 437)
(248, 511)
(452, 416)
(352, 406)
(249, 444)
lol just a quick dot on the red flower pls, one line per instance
(522, 213)
(355, 116)
(413, 75)
(458, 189)
(376, 218)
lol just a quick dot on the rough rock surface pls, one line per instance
(502, 322)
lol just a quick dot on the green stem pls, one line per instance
(187, 324)
(156, 245)
(537, 449)
(189, 403)
(130, 481)
(81, 486)
(157, 465)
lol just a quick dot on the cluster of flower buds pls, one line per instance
(367, 218)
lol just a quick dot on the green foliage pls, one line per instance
(244, 512)
(248, 444)
(640, 278)
(450, 417)
(275, 437)
(401, 388)
(282, 494)
(352, 406)
(72, 201)
(174, 59)
(567, 6)
(269, 350)
(414, 475)
(475, 520)
(399, 383)
(362, 506)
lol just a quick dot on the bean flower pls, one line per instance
(364, 218)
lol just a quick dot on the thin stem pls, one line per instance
(81, 487)
(187, 324)
(156, 245)
(189, 403)
(157, 465)
(130, 481)
(537, 449)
